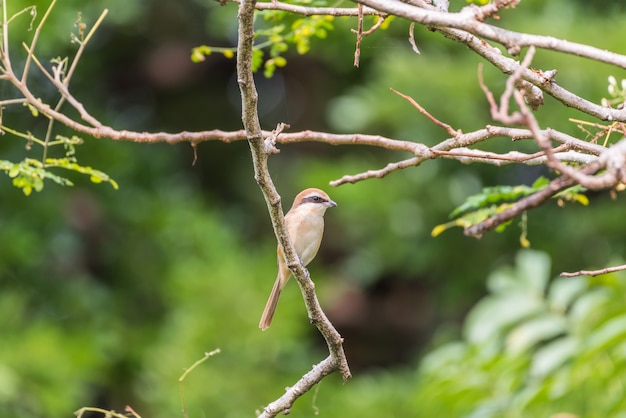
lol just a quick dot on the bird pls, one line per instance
(305, 226)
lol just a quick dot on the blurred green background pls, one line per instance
(106, 296)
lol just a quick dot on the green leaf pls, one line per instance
(14, 171)
(574, 194)
(496, 194)
(493, 200)
(96, 176)
(606, 335)
(33, 109)
(564, 291)
(586, 306)
(270, 67)
(452, 352)
(553, 355)
(257, 59)
(534, 270)
(280, 61)
(278, 48)
(530, 333)
(468, 219)
(492, 316)
(199, 53)
(504, 280)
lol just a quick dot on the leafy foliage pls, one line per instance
(30, 174)
(616, 92)
(277, 38)
(492, 200)
(535, 347)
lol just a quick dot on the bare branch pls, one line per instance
(310, 11)
(594, 273)
(375, 26)
(284, 403)
(424, 112)
(359, 36)
(378, 174)
(360, 33)
(65, 94)
(34, 41)
(464, 28)
(469, 19)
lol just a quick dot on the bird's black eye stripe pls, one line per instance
(314, 199)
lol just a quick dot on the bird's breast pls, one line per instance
(306, 234)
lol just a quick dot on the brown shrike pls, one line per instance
(305, 226)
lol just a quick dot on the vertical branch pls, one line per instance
(81, 48)
(250, 117)
(261, 149)
(5, 36)
(33, 43)
(68, 76)
(359, 36)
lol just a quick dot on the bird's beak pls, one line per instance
(331, 204)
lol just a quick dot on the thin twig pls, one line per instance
(594, 273)
(306, 383)
(378, 174)
(182, 378)
(34, 41)
(359, 36)
(469, 21)
(82, 47)
(424, 112)
(311, 11)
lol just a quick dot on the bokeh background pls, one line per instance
(107, 296)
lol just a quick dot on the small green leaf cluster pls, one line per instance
(536, 347)
(276, 39)
(306, 28)
(29, 174)
(493, 200)
(616, 92)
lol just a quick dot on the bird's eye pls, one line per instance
(316, 198)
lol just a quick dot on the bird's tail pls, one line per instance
(272, 302)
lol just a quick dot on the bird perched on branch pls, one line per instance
(305, 226)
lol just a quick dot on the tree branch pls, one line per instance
(306, 383)
(310, 11)
(261, 148)
(465, 27)
(594, 273)
(612, 160)
(469, 19)
(527, 203)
